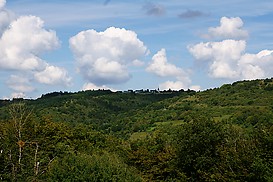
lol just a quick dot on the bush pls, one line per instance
(82, 167)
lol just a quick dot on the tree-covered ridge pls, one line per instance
(221, 134)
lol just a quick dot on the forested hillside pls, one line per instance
(221, 134)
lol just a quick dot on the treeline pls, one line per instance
(107, 91)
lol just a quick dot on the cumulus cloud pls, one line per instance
(103, 57)
(221, 56)
(189, 14)
(229, 49)
(53, 75)
(161, 67)
(253, 66)
(227, 59)
(230, 28)
(23, 41)
(154, 9)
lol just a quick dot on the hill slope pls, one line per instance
(219, 134)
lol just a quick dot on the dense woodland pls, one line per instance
(221, 134)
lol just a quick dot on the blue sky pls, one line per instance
(67, 45)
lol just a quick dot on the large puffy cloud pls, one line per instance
(226, 49)
(23, 40)
(221, 56)
(161, 67)
(230, 28)
(227, 59)
(104, 57)
(258, 65)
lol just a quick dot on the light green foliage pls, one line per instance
(96, 167)
(153, 156)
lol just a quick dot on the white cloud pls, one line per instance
(103, 57)
(264, 53)
(2, 4)
(23, 42)
(17, 95)
(91, 86)
(138, 63)
(177, 85)
(222, 57)
(226, 49)
(107, 71)
(53, 75)
(195, 87)
(230, 28)
(160, 66)
(227, 60)
(19, 84)
(258, 65)
(250, 72)
(6, 17)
